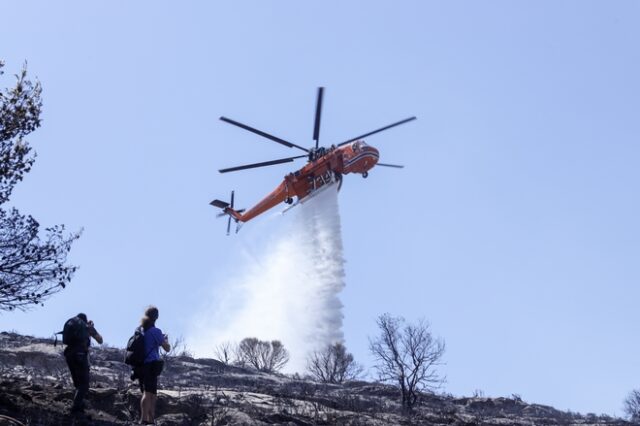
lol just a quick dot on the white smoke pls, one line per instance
(289, 292)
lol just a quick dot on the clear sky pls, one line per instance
(513, 228)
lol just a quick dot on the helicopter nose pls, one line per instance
(371, 159)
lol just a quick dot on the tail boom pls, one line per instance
(227, 209)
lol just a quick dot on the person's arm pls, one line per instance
(94, 333)
(97, 337)
(165, 343)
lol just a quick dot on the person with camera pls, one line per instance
(76, 335)
(148, 373)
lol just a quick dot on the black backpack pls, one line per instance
(75, 332)
(135, 354)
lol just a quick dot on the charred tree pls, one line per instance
(632, 406)
(33, 262)
(262, 355)
(333, 364)
(407, 356)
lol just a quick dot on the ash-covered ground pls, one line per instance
(35, 389)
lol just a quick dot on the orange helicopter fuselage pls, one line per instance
(326, 168)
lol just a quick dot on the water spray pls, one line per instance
(288, 292)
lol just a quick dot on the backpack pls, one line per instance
(135, 354)
(75, 332)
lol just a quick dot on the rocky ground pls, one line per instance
(35, 389)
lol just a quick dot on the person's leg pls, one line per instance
(144, 407)
(152, 408)
(80, 378)
(143, 416)
(82, 381)
(151, 388)
(72, 369)
(71, 363)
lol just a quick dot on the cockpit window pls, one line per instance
(357, 146)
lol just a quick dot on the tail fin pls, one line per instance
(227, 209)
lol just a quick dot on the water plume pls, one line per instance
(289, 288)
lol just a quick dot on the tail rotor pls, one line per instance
(227, 209)
(229, 220)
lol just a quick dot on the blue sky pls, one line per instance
(513, 229)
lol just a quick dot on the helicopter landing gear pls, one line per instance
(288, 200)
(364, 175)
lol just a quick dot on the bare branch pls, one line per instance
(632, 405)
(32, 262)
(407, 355)
(333, 365)
(225, 352)
(261, 355)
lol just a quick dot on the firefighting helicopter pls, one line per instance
(325, 167)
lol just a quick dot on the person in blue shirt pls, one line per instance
(153, 364)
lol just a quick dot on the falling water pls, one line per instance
(289, 291)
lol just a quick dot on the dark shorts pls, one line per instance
(148, 376)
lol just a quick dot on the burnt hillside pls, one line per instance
(35, 389)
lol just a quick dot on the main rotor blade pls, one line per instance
(406, 120)
(263, 134)
(316, 126)
(263, 164)
(397, 166)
